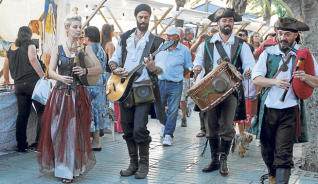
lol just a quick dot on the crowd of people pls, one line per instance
(75, 116)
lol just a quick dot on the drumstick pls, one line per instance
(300, 60)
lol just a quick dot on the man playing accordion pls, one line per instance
(223, 46)
(280, 120)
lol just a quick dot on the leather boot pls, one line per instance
(271, 175)
(271, 179)
(224, 152)
(133, 154)
(96, 145)
(215, 161)
(282, 175)
(143, 168)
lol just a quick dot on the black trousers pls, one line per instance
(219, 120)
(202, 117)
(278, 137)
(23, 92)
(134, 122)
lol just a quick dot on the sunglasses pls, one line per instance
(240, 34)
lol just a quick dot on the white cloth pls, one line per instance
(274, 94)
(134, 54)
(246, 55)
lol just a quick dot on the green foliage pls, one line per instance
(280, 6)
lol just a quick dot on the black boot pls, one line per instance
(224, 152)
(215, 161)
(133, 154)
(282, 175)
(143, 168)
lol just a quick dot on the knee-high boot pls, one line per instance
(282, 175)
(133, 154)
(215, 161)
(143, 168)
(224, 152)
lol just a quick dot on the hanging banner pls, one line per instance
(49, 30)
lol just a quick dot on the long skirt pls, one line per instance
(64, 145)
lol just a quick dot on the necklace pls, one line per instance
(72, 50)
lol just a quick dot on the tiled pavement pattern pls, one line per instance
(180, 163)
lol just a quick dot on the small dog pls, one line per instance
(241, 141)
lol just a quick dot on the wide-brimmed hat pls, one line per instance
(225, 12)
(290, 24)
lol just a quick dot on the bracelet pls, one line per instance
(86, 71)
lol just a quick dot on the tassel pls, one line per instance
(204, 149)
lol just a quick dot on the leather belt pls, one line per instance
(172, 81)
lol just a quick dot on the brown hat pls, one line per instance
(225, 12)
(290, 24)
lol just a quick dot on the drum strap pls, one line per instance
(221, 51)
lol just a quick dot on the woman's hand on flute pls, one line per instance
(282, 83)
(79, 70)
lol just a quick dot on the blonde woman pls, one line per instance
(65, 146)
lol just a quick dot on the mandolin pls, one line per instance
(118, 88)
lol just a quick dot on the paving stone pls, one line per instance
(180, 163)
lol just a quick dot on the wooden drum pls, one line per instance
(215, 86)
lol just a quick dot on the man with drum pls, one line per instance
(219, 120)
(279, 120)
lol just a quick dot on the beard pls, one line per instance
(283, 45)
(226, 31)
(142, 26)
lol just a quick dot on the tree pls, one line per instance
(307, 11)
(266, 8)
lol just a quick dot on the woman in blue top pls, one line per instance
(97, 93)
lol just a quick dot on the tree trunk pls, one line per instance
(179, 3)
(267, 14)
(307, 11)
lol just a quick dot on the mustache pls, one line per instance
(227, 26)
(283, 41)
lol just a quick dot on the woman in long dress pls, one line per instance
(65, 146)
(97, 93)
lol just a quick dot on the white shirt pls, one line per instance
(134, 54)
(246, 55)
(275, 93)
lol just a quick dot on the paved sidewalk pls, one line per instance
(180, 163)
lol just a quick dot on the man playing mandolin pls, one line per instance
(281, 120)
(132, 47)
(223, 46)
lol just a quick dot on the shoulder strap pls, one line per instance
(146, 50)
(221, 50)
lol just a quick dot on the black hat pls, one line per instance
(225, 12)
(142, 7)
(290, 24)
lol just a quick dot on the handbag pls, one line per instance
(42, 90)
(143, 94)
